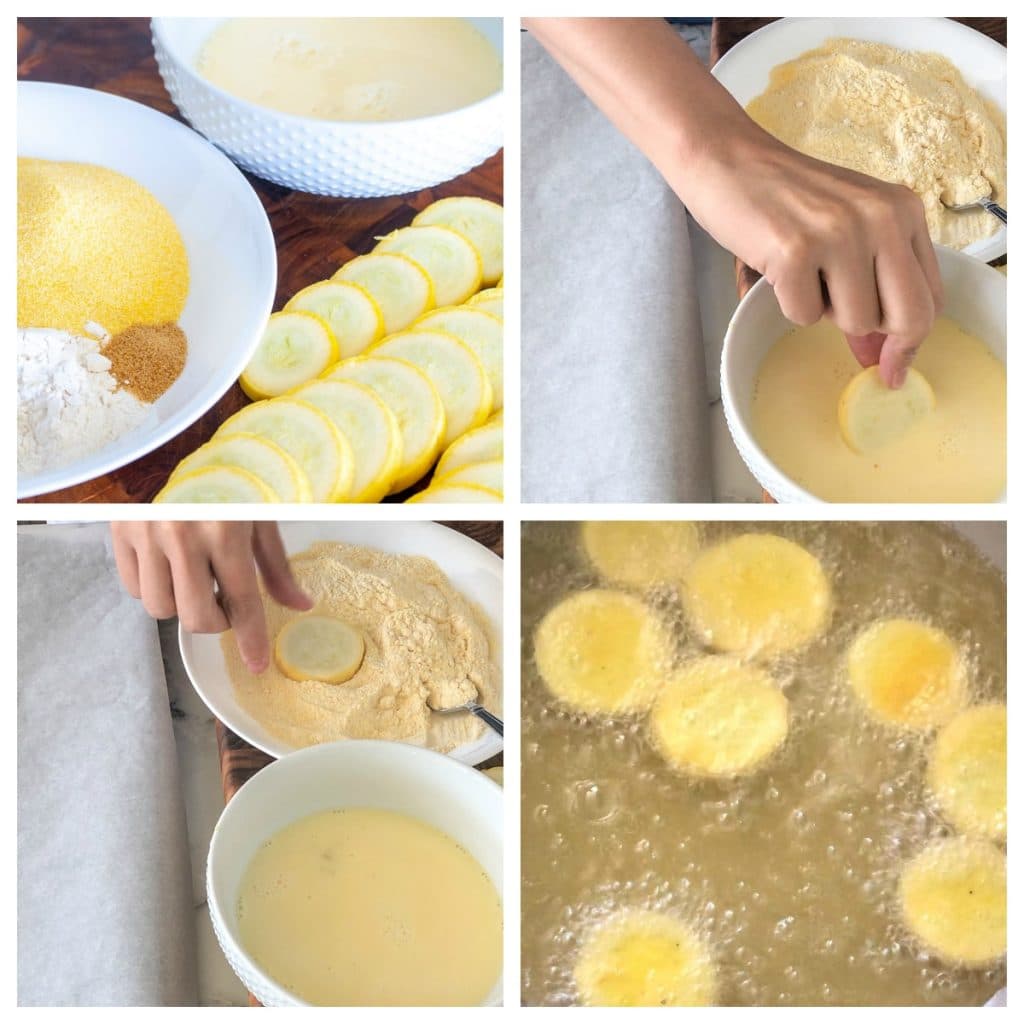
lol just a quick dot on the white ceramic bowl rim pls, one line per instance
(157, 26)
(241, 723)
(287, 763)
(97, 464)
(742, 419)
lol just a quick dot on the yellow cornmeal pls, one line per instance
(898, 115)
(95, 246)
(427, 647)
(955, 453)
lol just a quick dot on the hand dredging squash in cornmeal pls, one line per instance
(365, 907)
(898, 115)
(352, 69)
(425, 647)
(95, 247)
(955, 452)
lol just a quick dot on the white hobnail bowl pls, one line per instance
(975, 299)
(745, 69)
(332, 158)
(231, 253)
(461, 802)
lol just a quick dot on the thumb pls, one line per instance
(268, 549)
(897, 354)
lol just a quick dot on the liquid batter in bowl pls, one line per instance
(955, 453)
(352, 69)
(789, 876)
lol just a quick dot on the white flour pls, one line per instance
(68, 402)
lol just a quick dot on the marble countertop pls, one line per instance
(199, 766)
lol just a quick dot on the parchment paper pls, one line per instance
(104, 894)
(615, 406)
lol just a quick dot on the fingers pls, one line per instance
(155, 586)
(799, 293)
(908, 309)
(853, 292)
(196, 597)
(924, 250)
(273, 564)
(240, 599)
(127, 562)
(866, 348)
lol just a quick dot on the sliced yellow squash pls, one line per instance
(603, 652)
(223, 484)
(296, 346)
(349, 309)
(477, 329)
(480, 220)
(484, 474)
(953, 896)
(456, 493)
(967, 771)
(639, 554)
(307, 435)
(319, 647)
(908, 673)
(644, 958)
(757, 594)
(407, 391)
(264, 459)
(399, 286)
(490, 300)
(370, 427)
(452, 368)
(449, 259)
(484, 444)
(873, 415)
(719, 717)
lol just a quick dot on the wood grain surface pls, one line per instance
(240, 761)
(727, 32)
(315, 234)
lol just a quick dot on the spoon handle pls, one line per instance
(994, 208)
(492, 720)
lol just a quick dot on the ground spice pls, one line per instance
(146, 359)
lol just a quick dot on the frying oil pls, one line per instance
(790, 874)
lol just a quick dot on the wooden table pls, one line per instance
(315, 234)
(239, 761)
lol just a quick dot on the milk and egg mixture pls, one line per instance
(352, 69)
(779, 885)
(955, 453)
(365, 907)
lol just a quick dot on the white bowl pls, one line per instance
(460, 801)
(745, 69)
(975, 299)
(331, 158)
(473, 570)
(231, 252)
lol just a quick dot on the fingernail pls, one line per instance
(899, 377)
(258, 667)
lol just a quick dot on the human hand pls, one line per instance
(832, 242)
(205, 573)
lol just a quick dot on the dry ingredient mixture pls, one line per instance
(97, 253)
(899, 115)
(147, 359)
(69, 403)
(426, 647)
(790, 875)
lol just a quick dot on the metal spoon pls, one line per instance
(985, 202)
(476, 709)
